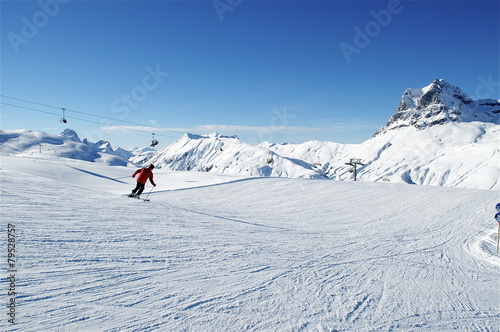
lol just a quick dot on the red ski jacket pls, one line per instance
(144, 175)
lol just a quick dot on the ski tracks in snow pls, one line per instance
(260, 255)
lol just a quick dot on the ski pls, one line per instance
(144, 199)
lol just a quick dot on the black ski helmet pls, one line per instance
(151, 166)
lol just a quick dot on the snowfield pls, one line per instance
(215, 252)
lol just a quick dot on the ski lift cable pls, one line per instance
(80, 119)
(29, 101)
(31, 109)
(95, 115)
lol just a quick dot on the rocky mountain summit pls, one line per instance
(439, 103)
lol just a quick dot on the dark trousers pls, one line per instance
(138, 189)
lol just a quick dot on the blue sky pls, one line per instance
(282, 71)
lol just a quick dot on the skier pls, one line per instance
(144, 174)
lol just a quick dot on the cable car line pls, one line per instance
(86, 113)
(95, 115)
(76, 118)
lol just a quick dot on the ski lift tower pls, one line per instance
(354, 163)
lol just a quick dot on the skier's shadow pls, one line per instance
(98, 175)
(235, 220)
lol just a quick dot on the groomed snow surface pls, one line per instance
(213, 252)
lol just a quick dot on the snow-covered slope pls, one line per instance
(141, 156)
(317, 153)
(229, 155)
(261, 254)
(66, 145)
(464, 155)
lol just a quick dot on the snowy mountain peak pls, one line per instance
(228, 155)
(70, 134)
(441, 91)
(438, 103)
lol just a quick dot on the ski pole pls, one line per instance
(148, 194)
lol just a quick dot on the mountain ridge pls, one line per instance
(428, 141)
(25, 142)
(438, 136)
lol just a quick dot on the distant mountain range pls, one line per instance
(437, 136)
(26, 142)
